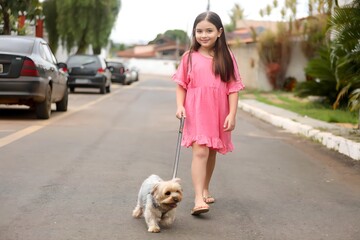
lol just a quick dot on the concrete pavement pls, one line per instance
(337, 138)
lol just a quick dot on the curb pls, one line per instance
(339, 144)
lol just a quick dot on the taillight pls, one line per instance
(65, 70)
(101, 70)
(29, 69)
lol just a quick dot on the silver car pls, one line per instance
(30, 75)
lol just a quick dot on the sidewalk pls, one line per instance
(341, 139)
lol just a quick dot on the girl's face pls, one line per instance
(206, 34)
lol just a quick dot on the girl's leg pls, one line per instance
(209, 171)
(198, 172)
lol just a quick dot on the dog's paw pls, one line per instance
(154, 229)
(167, 221)
(137, 212)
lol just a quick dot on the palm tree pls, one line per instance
(345, 55)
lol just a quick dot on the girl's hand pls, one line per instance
(229, 123)
(180, 112)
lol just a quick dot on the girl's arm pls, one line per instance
(180, 99)
(230, 120)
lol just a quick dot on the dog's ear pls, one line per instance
(177, 180)
(154, 189)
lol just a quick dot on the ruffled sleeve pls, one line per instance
(236, 84)
(181, 76)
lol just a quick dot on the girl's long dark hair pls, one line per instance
(223, 64)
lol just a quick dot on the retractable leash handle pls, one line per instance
(177, 155)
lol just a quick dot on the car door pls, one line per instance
(58, 78)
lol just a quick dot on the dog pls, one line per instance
(157, 201)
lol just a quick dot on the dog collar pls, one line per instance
(155, 205)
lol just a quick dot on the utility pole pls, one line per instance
(208, 6)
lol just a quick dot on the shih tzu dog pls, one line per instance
(158, 200)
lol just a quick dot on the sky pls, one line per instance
(140, 21)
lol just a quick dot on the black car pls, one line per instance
(30, 75)
(88, 71)
(117, 70)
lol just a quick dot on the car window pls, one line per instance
(115, 64)
(13, 45)
(83, 60)
(49, 53)
(42, 52)
(103, 63)
(45, 50)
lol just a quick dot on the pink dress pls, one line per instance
(206, 102)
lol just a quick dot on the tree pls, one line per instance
(345, 33)
(314, 27)
(82, 23)
(237, 13)
(50, 13)
(323, 80)
(311, 31)
(280, 45)
(10, 11)
(176, 35)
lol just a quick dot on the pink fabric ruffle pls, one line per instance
(211, 142)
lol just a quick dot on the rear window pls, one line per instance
(16, 45)
(114, 64)
(81, 60)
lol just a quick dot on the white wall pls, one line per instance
(298, 62)
(152, 66)
(250, 67)
(253, 71)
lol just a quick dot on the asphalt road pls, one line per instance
(76, 175)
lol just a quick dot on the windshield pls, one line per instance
(81, 60)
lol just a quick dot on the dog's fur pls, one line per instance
(158, 200)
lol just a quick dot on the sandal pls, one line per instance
(199, 210)
(209, 199)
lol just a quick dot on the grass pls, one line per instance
(311, 108)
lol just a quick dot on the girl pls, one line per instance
(208, 83)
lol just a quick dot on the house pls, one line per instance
(247, 30)
(162, 48)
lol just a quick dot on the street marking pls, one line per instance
(19, 134)
(29, 130)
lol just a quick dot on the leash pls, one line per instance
(177, 155)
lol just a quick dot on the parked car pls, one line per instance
(132, 73)
(30, 75)
(88, 71)
(117, 70)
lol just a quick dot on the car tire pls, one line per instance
(108, 89)
(72, 89)
(43, 109)
(103, 89)
(63, 103)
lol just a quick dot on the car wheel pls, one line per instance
(72, 89)
(108, 89)
(43, 109)
(103, 89)
(63, 103)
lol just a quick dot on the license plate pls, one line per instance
(1, 68)
(82, 80)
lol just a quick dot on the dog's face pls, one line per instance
(168, 193)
